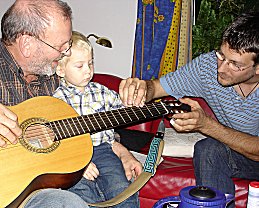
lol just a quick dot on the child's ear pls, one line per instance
(59, 71)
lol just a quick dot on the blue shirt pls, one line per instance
(199, 79)
(95, 98)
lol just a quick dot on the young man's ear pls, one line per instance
(60, 71)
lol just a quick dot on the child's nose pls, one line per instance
(87, 68)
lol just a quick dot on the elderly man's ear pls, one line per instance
(59, 71)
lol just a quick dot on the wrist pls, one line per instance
(150, 90)
(210, 126)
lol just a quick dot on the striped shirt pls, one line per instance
(199, 79)
(96, 98)
(13, 87)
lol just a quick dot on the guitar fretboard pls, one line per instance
(105, 120)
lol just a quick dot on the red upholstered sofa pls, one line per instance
(173, 173)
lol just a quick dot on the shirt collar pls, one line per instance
(70, 87)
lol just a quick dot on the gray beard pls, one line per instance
(42, 68)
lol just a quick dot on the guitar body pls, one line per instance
(55, 145)
(24, 170)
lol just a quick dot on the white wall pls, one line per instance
(114, 19)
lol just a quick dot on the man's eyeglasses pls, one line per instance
(232, 65)
(64, 50)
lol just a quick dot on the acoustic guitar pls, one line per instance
(55, 145)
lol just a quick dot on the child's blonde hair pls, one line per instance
(79, 41)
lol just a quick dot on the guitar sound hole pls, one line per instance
(39, 136)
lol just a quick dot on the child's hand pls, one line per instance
(91, 172)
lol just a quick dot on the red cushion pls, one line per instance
(108, 80)
(172, 175)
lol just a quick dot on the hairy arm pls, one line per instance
(246, 144)
(154, 89)
(198, 120)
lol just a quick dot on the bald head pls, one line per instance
(32, 17)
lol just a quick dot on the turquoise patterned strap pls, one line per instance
(155, 150)
(151, 160)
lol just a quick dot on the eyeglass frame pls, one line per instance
(64, 51)
(219, 56)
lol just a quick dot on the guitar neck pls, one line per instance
(97, 122)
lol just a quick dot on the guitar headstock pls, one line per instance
(175, 106)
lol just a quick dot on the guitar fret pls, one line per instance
(70, 126)
(62, 133)
(120, 119)
(67, 132)
(150, 111)
(83, 119)
(134, 113)
(127, 114)
(97, 121)
(77, 122)
(156, 108)
(88, 116)
(111, 112)
(78, 132)
(100, 117)
(55, 130)
(108, 118)
(67, 127)
(121, 116)
(142, 112)
(146, 112)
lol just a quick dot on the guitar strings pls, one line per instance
(37, 130)
(92, 123)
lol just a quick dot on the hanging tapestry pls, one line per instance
(162, 37)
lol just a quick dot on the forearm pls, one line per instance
(154, 90)
(120, 150)
(243, 143)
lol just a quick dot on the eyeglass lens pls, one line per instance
(233, 66)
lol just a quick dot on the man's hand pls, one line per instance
(9, 127)
(192, 121)
(91, 172)
(133, 92)
(198, 120)
(132, 167)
